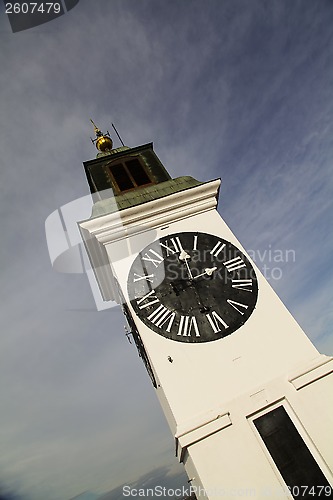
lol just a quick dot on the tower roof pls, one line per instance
(124, 177)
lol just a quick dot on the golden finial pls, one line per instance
(103, 141)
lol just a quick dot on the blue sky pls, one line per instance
(233, 89)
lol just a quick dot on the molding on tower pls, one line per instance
(191, 436)
(152, 214)
(322, 366)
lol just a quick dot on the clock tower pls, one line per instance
(247, 396)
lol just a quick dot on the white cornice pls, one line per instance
(152, 214)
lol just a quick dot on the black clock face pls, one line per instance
(192, 287)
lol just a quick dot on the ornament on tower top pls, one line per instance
(102, 141)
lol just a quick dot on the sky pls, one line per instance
(223, 88)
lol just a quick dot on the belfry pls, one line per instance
(247, 396)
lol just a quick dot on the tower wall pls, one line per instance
(213, 393)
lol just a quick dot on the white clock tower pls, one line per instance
(247, 396)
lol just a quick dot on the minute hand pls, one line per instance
(184, 256)
(208, 270)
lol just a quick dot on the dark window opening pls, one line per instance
(129, 175)
(292, 457)
(121, 177)
(137, 172)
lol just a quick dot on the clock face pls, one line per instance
(192, 287)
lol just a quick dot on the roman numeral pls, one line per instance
(188, 324)
(155, 261)
(195, 242)
(160, 316)
(172, 246)
(215, 321)
(237, 305)
(245, 285)
(217, 249)
(150, 297)
(234, 264)
(147, 277)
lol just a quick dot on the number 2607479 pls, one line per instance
(33, 8)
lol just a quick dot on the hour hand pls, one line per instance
(208, 271)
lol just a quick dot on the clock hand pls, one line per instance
(184, 256)
(208, 270)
